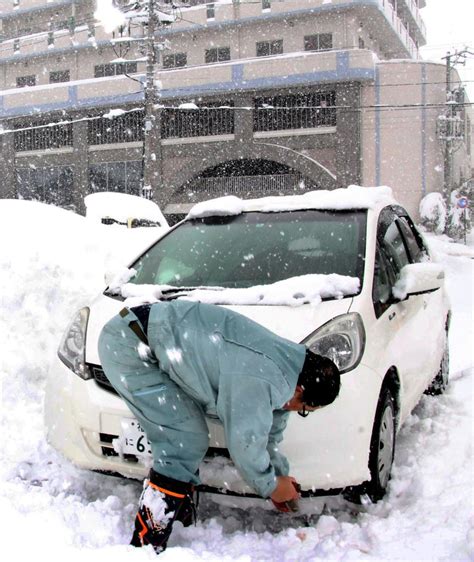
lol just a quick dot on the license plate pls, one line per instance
(133, 440)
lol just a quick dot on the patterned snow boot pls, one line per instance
(163, 501)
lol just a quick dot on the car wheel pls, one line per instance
(440, 382)
(382, 450)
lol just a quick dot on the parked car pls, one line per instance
(388, 333)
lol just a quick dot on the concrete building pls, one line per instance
(257, 98)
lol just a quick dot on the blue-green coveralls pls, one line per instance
(205, 360)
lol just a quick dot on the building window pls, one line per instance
(123, 128)
(267, 48)
(59, 76)
(318, 42)
(210, 11)
(114, 69)
(175, 60)
(295, 111)
(217, 54)
(42, 138)
(51, 185)
(23, 81)
(266, 5)
(216, 118)
(123, 177)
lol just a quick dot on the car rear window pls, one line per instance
(256, 249)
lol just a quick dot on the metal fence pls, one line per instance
(205, 122)
(123, 128)
(43, 137)
(247, 184)
(297, 111)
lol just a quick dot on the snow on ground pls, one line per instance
(51, 263)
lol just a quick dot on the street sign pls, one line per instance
(463, 203)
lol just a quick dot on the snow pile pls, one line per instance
(52, 262)
(433, 212)
(353, 197)
(295, 291)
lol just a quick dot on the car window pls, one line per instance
(394, 248)
(256, 249)
(414, 244)
(382, 287)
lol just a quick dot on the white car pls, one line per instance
(378, 309)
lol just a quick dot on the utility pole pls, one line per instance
(448, 154)
(151, 118)
(153, 14)
(451, 131)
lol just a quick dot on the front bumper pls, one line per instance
(327, 450)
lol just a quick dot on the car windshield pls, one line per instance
(256, 249)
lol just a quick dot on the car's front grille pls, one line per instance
(100, 378)
(106, 442)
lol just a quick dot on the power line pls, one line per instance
(374, 108)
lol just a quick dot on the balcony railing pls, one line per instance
(402, 31)
(292, 118)
(45, 137)
(205, 122)
(179, 123)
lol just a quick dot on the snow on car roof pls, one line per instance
(352, 197)
(122, 206)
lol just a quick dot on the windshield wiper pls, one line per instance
(176, 292)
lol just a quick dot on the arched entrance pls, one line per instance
(249, 178)
(245, 178)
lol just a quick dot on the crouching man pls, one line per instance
(174, 363)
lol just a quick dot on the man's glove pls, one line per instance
(286, 494)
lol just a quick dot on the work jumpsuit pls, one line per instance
(205, 360)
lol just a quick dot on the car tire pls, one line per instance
(440, 382)
(382, 451)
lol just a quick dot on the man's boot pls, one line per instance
(163, 501)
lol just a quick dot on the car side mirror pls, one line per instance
(418, 279)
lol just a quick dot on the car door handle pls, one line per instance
(392, 315)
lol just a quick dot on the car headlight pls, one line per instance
(342, 340)
(73, 345)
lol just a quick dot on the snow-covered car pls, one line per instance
(344, 272)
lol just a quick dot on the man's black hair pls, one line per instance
(319, 379)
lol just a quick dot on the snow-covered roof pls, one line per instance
(353, 197)
(121, 207)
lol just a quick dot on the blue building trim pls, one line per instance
(73, 99)
(423, 129)
(342, 73)
(378, 140)
(238, 73)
